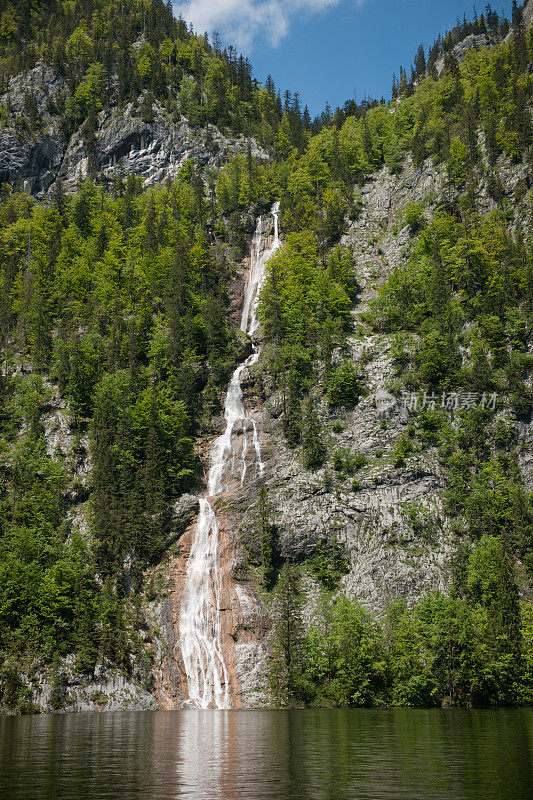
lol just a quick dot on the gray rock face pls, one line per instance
(154, 151)
(62, 442)
(528, 14)
(107, 690)
(123, 142)
(184, 511)
(251, 656)
(370, 517)
(40, 82)
(472, 42)
(33, 160)
(387, 518)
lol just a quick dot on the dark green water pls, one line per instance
(259, 755)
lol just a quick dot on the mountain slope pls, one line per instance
(405, 275)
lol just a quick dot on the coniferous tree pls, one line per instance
(268, 539)
(420, 62)
(313, 446)
(292, 406)
(286, 673)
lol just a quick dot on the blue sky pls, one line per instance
(329, 50)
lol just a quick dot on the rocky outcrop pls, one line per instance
(184, 511)
(33, 161)
(106, 690)
(244, 623)
(528, 14)
(154, 151)
(472, 42)
(485, 40)
(372, 516)
(123, 142)
(63, 441)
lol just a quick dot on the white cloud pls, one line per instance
(243, 21)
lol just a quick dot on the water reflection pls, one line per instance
(299, 755)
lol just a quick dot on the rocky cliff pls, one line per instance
(388, 518)
(528, 14)
(122, 142)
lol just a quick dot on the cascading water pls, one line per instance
(200, 625)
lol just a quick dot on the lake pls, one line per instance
(258, 755)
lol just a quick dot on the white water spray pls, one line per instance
(200, 625)
(257, 272)
(207, 679)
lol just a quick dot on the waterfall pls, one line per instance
(200, 624)
(207, 679)
(257, 272)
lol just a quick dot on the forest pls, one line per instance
(116, 300)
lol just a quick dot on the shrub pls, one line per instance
(414, 217)
(343, 387)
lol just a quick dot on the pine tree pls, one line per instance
(314, 449)
(285, 678)
(147, 107)
(402, 86)
(267, 534)
(87, 648)
(420, 62)
(292, 406)
(394, 88)
(529, 281)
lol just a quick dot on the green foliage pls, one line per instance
(344, 386)
(421, 520)
(88, 95)
(301, 302)
(15, 694)
(268, 538)
(314, 449)
(470, 648)
(403, 447)
(345, 658)
(329, 564)
(106, 49)
(414, 217)
(142, 48)
(142, 458)
(287, 682)
(347, 462)
(46, 574)
(304, 311)
(121, 301)
(485, 490)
